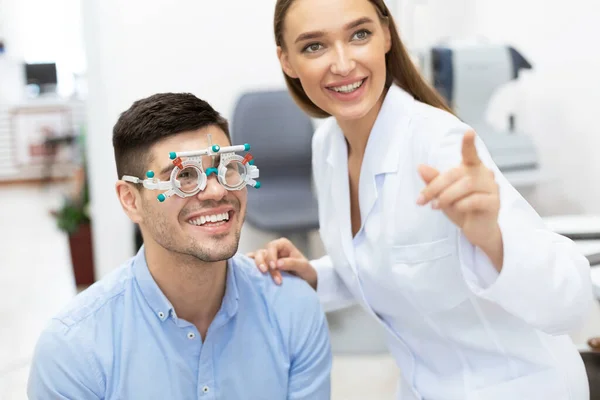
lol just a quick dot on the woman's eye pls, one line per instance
(362, 34)
(311, 48)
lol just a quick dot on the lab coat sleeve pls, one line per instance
(331, 290)
(544, 279)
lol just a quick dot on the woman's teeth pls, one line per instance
(348, 88)
(212, 219)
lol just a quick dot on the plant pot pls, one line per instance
(82, 255)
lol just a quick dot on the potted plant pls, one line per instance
(73, 218)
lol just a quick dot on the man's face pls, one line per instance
(184, 225)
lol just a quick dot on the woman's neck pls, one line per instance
(357, 131)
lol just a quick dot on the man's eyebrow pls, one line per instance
(318, 34)
(166, 169)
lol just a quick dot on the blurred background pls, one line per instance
(523, 73)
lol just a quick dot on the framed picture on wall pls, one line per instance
(33, 128)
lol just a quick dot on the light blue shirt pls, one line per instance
(121, 339)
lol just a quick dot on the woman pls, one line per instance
(419, 225)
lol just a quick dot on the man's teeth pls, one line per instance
(210, 218)
(348, 88)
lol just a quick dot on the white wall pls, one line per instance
(137, 48)
(560, 97)
(40, 31)
(556, 102)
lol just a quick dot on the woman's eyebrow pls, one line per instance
(318, 34)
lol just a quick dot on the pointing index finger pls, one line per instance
(469, 151)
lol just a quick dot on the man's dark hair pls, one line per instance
(153, 119)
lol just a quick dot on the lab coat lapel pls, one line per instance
(340, 191)
(384, 148)
(382, 155)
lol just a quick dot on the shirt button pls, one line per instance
(205, 389)
(191, 335)
(161, 314)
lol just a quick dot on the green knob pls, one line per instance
(150, 174)
(161, 197)
(247, 147)
(216, 148)
(172, 155)
(257, 186)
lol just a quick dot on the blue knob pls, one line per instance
(246, 147)
(161, 197)
(216, 148)
(150, 174)
(211, 171)
(172, 155)
(251, 162)
(257, 185)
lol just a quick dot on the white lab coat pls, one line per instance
(457, 328)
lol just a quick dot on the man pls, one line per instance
(186, 318)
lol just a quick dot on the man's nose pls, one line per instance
(213, 190)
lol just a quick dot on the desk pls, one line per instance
(584, 230)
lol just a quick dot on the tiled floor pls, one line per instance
(36, 281)
(35, 278)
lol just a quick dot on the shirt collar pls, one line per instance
(158, 302)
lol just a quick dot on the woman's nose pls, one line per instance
(343, 64)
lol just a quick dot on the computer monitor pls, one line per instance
(43, 75)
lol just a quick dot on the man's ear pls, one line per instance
(130, 200)
(284, 60)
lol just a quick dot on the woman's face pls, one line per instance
(337, 49)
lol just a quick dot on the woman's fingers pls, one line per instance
(438, 184)
(476, 202)
(279, 254)
(461, 188)
(295, 265)
(259, 259)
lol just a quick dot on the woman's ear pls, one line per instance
(284, 60)
(387, 37)
(130, 200)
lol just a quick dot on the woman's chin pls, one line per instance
(348, 114)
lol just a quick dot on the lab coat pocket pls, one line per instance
(422, 252)
(546, 384)
(430, 274)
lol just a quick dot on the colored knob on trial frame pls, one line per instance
(177, 163)
(247, 158)
(216, 148)
(161, 197)
(172, 155)
(150, 174)
(257, 185)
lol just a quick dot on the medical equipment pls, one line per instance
(188, 176)
(468, 75)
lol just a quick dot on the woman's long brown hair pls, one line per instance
(400, 68)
